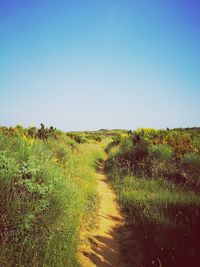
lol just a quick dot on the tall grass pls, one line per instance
(46, 190)
(163, 215)
(81, 170)
(164, 220)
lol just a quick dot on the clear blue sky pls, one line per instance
(94, 64)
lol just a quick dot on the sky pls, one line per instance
(92, 64)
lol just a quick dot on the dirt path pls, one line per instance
(103, 247)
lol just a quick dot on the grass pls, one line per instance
(156, 176)
(82, 170)
(47, 192)
(164, 220)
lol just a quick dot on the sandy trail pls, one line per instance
(103, 247)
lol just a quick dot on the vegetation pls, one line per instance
(47, 191)
(157, 175)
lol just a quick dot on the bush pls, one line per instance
(140, 151)
(126, 147)
(39, 208)
(78, 137)
(191, 167)
(192, 162)
(161, 152)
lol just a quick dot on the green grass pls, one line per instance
(47, 192)
(164, 220)
(82, 168)
(156, 176)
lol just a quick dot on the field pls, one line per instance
(49, 195)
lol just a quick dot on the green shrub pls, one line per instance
(196, 145)
(192, 162)
(126, 148)
(40, 210)
(78, 137)
(161, 152)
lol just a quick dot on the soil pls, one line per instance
(103, 247)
